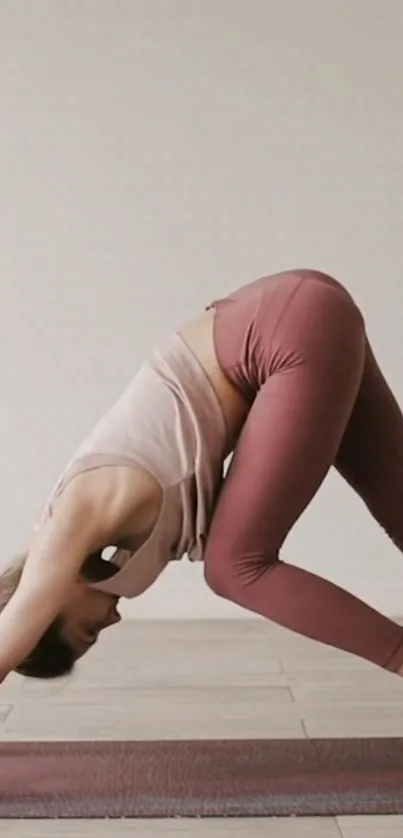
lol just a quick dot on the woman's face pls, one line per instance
(86, 615)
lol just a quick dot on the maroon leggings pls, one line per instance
(295, 345)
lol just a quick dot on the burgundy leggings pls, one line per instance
(295, 345)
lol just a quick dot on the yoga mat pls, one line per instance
(173, 779)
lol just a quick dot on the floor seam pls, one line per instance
(338, 827)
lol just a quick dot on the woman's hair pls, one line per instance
(52, 657)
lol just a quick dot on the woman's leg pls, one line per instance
(290, 440)
(370, 457)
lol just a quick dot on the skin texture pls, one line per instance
(96, 510)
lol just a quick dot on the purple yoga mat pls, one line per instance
(173, 779)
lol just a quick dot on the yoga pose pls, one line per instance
(280, 375)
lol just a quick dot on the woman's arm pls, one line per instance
(80, 525)
(99, 507)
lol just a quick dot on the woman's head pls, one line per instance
(87, 613)
(71, 634)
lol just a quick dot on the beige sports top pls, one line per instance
(170, 422)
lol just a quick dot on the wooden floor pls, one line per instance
(185, 680)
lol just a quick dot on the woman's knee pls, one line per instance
(227, 577)
(218, 577)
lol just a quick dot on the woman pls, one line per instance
(281, 374)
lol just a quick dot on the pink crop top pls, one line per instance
(170, 422)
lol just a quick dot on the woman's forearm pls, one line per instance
(25, 619)
(51, 569)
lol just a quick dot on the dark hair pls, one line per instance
(52, 657)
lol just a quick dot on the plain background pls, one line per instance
(155, 154)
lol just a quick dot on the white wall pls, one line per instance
(157, 153)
